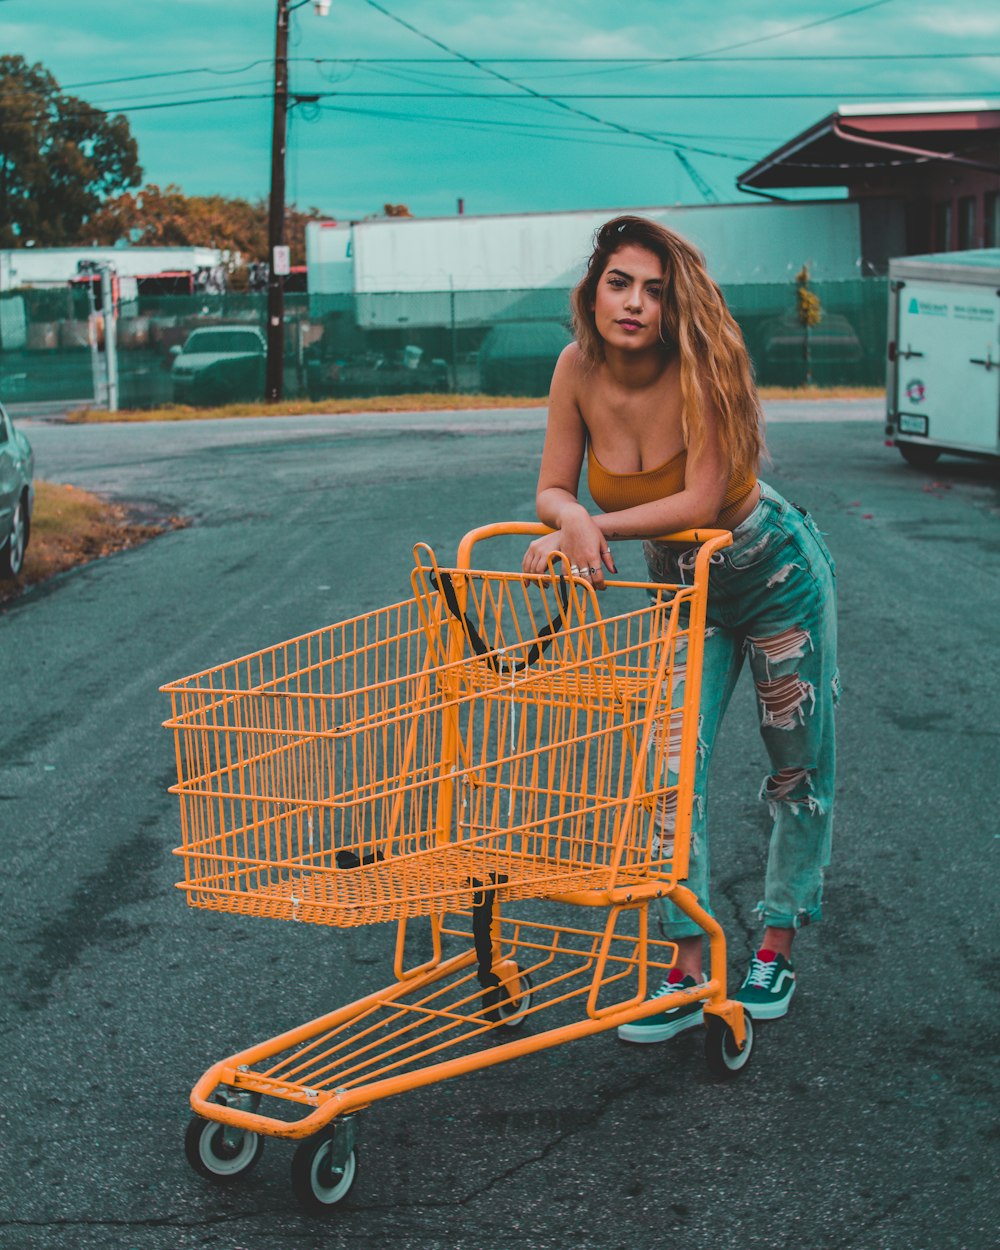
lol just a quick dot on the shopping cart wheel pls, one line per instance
(318, 1182)
(724, 1057)
(219, 1153)
(512, 1014)
(499, 1005)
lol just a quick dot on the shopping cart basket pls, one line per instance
(496, 737)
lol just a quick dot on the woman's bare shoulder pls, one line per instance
(570, 368)
(567, 390)
(570, 358)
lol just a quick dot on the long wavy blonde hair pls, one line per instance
(694, 320)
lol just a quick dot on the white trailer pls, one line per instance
(55, 266)
(471, 270)
(943, 382)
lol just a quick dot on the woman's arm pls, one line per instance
(564, 447)
(576, 533)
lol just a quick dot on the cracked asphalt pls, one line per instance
(866, 1119)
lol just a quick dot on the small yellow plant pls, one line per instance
(810, 313)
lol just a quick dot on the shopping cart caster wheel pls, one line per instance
(221, 1154)
(499, 1006)
(723, 1055)
(318, 1186)
(512, 1014)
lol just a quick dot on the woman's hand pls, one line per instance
(536, 558)
(581, 541)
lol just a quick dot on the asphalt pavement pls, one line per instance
(866, 1119)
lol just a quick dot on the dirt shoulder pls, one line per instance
(70, 527)
(405, 403)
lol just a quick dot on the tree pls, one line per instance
(165, 216)
(59, 157)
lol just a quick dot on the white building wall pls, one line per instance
(54, 266)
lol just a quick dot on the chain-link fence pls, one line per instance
(185, 349)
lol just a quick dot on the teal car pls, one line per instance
(17, 496)
(218, 365)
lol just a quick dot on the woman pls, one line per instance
(657, 394)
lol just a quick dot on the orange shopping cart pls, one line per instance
(490, 759)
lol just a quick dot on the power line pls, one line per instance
(141, 108)
(143, 102)
(174, 96)
(650, 60)
(560, 104)
(661, 95)
(789, 30)
(166, 73)
(655, 136)
(652, 136)
(537, 60)
(617, 95)
(527, 130)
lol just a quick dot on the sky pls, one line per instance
(510, 105)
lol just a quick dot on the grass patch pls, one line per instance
(822, 392)
(303, 407)
(71, 527)
(406, 403)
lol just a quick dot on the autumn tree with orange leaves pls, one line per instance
(166, 217)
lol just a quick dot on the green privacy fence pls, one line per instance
(497, 342)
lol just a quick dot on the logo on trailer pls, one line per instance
(916, 392)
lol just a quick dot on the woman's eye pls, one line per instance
(616, 282)
(654, 291)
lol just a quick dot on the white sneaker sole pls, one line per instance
(768, 1011)
(642, 1033)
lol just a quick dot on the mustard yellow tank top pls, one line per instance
(614, 492)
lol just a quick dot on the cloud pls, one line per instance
(960, 25)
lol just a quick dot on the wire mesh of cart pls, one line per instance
(496, 738)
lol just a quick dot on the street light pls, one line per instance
(277, 252)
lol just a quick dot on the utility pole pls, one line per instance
(277, 255)
(276, 213)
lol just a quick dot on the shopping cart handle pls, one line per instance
(499, 529)
(498, 663)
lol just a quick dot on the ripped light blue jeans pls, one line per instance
(772, 600)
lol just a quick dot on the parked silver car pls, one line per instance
(17, 496)
(220, 364)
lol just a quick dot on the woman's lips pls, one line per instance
(628, 324)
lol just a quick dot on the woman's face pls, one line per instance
(627, 303)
